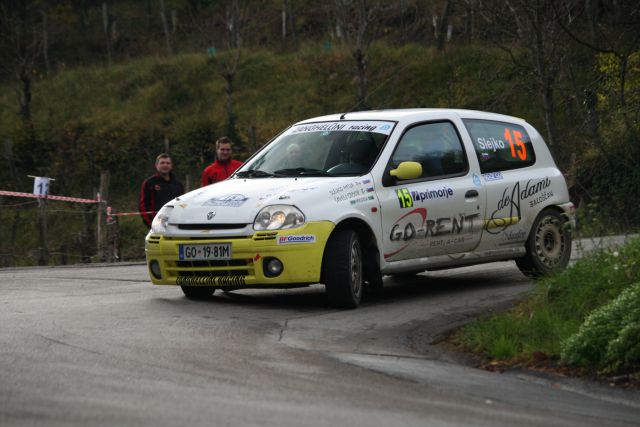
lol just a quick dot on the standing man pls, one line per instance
(159, 189)
(224, 165)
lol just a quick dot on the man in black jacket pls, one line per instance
(158, 189)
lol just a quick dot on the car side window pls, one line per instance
(436, 146)
(500, 146)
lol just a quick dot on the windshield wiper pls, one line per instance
(254, 173)
(303, 172)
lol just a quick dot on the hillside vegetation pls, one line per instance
(586, 319)
(97, 103)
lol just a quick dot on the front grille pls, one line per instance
(230, 263)
(234, 267)
(271, 235)
(209, 226)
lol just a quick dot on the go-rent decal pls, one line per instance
(403, 230)
(296, 238)
(442, 231)
(476, 180)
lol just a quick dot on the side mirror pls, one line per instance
(407, 170)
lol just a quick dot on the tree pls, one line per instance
(353, 22)
(528, 32)
(612, 28)
(20, 48)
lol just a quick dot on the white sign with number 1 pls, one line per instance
(41, 186)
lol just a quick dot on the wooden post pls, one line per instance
(43, 251)
(101, 232)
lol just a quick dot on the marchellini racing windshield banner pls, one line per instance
(344, 126)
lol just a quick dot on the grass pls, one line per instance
(555, 310)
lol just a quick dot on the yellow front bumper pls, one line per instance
(302, 261)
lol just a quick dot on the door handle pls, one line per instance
(470, 194)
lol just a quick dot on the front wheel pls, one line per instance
(197, 292)
(342, 269)
(548, 246)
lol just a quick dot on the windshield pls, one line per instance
(321, 149)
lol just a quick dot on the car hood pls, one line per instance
(238, 201)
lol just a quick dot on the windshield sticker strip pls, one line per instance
(344, 126)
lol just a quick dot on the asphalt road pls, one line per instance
(100, 345)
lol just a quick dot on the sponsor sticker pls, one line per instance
(351, 191)
(476, 180)
(362, 199)
(221, 281)
(344, 126)
(492, 176)
(296, 238)
(407, 198)
(231, 200)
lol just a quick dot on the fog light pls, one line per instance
(272, 267)
(154, 266)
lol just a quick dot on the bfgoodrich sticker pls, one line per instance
(296, 238)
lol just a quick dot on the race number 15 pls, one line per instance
(515, 142)
(404, 197)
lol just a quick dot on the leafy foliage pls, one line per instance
(557, 308)
(608, 338)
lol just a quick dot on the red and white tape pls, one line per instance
(75, 200)
(129, 213)
(48, 197)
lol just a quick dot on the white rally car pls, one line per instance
(345, 199)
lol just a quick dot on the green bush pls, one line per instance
(556, 309)
(609, 337)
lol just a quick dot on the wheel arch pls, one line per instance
(368, 241)
(553, 207)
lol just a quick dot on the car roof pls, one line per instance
(412, 114)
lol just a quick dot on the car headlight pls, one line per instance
(159, 224)
(278, 217)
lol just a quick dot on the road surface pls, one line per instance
(100, 345)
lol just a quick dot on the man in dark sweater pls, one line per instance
(158, 189)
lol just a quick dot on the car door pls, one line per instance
(441, 211)
(514, 188)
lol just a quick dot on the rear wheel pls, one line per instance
(197, 292)
(342, 269)
(548, 246)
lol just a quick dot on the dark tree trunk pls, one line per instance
(361, 74)
(231, 117)
(25, 96)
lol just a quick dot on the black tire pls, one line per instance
(342, 269)
(372, 275)
(197, 292)
(548, 246)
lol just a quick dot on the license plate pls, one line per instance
(220, 251)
